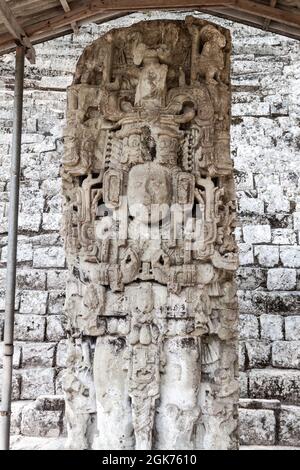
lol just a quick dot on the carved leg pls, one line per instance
(179, 413)
(80, 429)
(219, 421)
(144, 391)
(143, 418)
(115, 431)
(219, 397)
(79, 395)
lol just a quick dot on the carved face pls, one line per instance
(220, 41)
(167, 149)
(167, 144)
(71, 154)
(149, 192)
(185, 188)
(132, 148)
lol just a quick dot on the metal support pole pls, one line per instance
(12, 252)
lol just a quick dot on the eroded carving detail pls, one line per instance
(149, 214)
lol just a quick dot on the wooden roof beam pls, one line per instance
(67, 8)
(45, 30)
(107, 9)
(254, 21)
(104, 10)
(94, 7)
(267, 22)
(142, 5)
(289, 18)
(16, 30)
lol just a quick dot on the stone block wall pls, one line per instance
(265, 148)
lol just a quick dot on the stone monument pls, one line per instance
(149, 214)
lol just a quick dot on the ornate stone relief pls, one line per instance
(149, 213)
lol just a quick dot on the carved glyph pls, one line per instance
(149, 214)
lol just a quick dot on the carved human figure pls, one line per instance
(148, 227)
(149, 192)
(151, 87)
(167, 148)
(131, 151)
(212, 58)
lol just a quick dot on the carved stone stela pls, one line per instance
(151, 302)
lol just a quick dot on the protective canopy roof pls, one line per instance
(28, 22)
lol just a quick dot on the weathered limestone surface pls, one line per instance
(148, 223)
(265, 149)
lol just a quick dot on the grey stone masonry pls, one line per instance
(265, 143)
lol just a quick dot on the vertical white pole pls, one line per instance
(12, 252)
